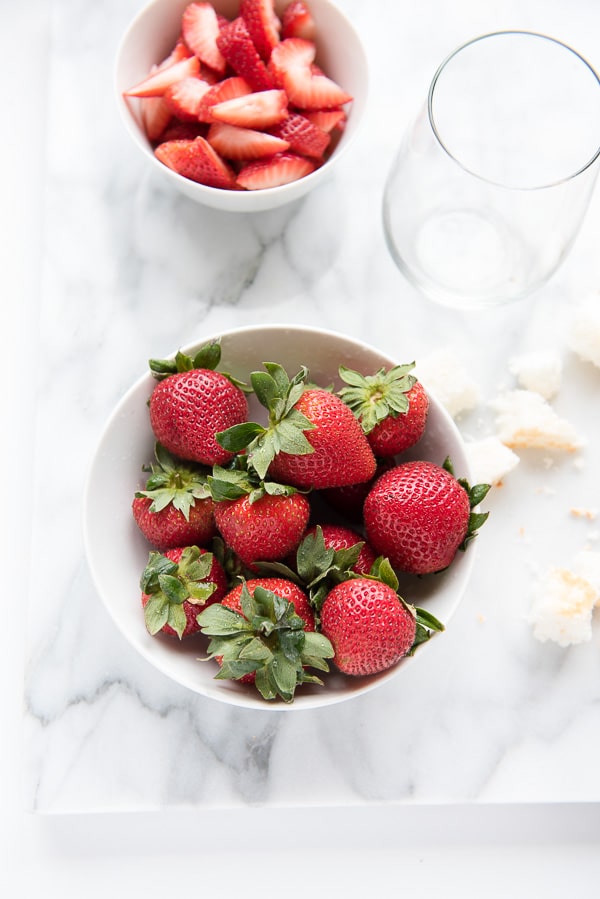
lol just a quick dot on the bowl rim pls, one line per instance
(248, 700)
(231, 199)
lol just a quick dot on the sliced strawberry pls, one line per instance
(227, 89)
(282, 168)
(196, 160)
(288, 54)
(257, 110)
(180, 51)
(237, 47)
(291, 65)
(156, 115)
(327, 119)
(184, 98)
(244, 143)
(184, 131)
(262, 24)
(297, 21)
(200, 30)
(303, 136)
(156, 83)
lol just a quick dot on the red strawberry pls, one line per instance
(341, 453)
(263, 633)
(336, 536)
(303, 137)
(183, 98)
(327, 119)
(290, 64)
(368, 625)
(192, 402)
(297, 21)
(391, 407)
(237, 47)
(419, 515)
(283, 168)
(260, 109)
(175, 508)
(176, 586)
(156, 83)
(184, 131)
(263, 529)
(200, 30)
(156, 115)
(283, 588)
(196, 160)
(243, 143)
(227, 89)
(312, 440)
(262, 24)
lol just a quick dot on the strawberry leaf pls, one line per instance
(239, 437)
(176, 619)
(172, 588)
(373, 398)
(219, 621)
(156, 613)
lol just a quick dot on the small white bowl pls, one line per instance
(152, 35)
(117, 552)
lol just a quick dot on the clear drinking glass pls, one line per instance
(490, 186)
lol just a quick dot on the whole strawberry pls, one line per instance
(263, 522)
(175, 508)
(176, 586)
(392, 407)
(419, 515)
(263, 633)
(336, 537)
(192, 402)
(312, 439)
(369, 626)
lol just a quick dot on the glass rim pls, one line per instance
(475, 40)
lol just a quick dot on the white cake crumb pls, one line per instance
(489, 460)
(539, 371)
(583, 336)
(446, 377)
(587, 566)
(524, 420)
(580, 512)
(562, 606)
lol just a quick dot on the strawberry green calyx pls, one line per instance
(476, 495)
(374, 398)
(268, 639)
(169, 584)
(285, 430)
(208, 357)
(233, 483)
(172, 481)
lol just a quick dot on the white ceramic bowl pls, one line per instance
(151, 36)
(117, 552)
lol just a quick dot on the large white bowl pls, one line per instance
(117, 553)
(151, 36)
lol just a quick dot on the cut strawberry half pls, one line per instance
(184, 98)
(257, 110)
(282, 168)
(327, 119)
(237, 47)
(303, 136)
(196, 160)
(180, 51)
(236, 143)
(184, 131)
(200, 30)
(227, 89)
(156, 83)
(156, 115)
(297, 21)
(262, 24)
(291, 64)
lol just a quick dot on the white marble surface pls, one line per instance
(112, 269)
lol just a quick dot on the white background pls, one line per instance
(483, 851)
